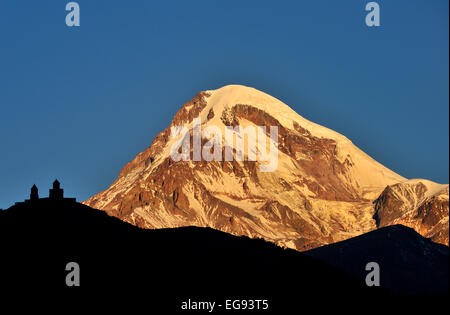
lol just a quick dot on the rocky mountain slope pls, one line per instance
(321, 191)
(419, 204)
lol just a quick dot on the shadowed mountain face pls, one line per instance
(409, 263)
(322, 190)
(168, 266)
(164, 266)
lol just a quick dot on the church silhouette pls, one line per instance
(55, 193)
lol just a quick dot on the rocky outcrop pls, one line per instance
(419, 204)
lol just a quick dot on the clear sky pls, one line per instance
(77, 104)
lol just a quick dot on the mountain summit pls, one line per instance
(322, 190)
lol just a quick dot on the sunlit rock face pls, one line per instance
(419, 204)
(322, 190)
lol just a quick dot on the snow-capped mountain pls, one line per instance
(417, 203)
(322, 189)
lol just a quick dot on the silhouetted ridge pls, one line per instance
(167, 264)
(409, 263)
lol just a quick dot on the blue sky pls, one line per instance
(79, 103)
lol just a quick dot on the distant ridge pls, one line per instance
(409, 263)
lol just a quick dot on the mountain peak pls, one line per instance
(322, 189)
(240, 94)
(231, 95)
